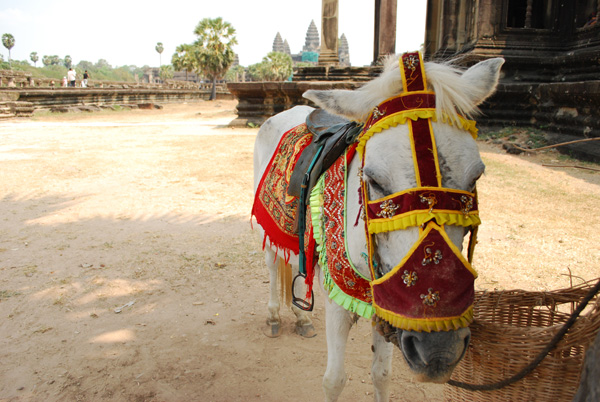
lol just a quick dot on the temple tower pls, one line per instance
(278, 44)
(311, 44)
(344, 52)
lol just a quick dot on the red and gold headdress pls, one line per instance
(432, 288)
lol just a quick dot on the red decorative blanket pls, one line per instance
(274, 209)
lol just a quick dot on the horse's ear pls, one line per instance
(349, 104)
(480, 81)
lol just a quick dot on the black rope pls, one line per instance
(531, 366)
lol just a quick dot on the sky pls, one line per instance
(125, 32)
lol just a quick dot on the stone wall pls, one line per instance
(23, 102)
(257, 101)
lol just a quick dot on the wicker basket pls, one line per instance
(510, 329)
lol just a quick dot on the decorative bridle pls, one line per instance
(432, 287)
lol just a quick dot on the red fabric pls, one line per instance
(340, 270)
(402, 103)
(425, 154)
(274, 209)
(413, 72)
(411, 201)
(450, 278)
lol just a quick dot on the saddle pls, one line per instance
(331, 136)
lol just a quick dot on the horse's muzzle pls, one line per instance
(432, 356)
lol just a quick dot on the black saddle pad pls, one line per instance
(334, 134)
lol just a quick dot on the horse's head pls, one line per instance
(418, 167)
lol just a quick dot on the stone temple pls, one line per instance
(312, 47)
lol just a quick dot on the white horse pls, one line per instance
(388, 169)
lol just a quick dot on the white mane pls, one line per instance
(457, 91)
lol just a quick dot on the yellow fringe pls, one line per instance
(402, 117)
(426, 324)
(417, 218)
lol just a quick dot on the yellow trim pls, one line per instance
(426, 324)
(430, 226)
(435, 153)
(417, 218)
(402, 117)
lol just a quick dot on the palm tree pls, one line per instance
(278, 66)
(34, 57)
(166, 72)
(185, 58)
(68, 61)
(8, 41)
(215, 40)
(159, 48)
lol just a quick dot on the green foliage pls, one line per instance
(215, 41)
(159, 48)
(185, 58)
(166, 72)
(274, 67)
(51, 60)
(68, 61)
(34, 57)
(8, 41)
(235, 74)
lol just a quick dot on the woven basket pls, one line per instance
(510, 329)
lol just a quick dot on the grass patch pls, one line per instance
(5, 294)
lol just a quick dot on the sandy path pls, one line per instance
(152, 207)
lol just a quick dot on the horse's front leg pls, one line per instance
(381, 369)
(273, 320)
(337, 326)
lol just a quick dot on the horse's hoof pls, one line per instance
(306, 331)
(272, 330)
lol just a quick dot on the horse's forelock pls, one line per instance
(443, 78)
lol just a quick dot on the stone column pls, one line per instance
(385, 29)
(329, 33)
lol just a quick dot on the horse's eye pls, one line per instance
(375, 188)
(474, 182)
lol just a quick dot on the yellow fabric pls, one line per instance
(402, 117)
(425, 324)
(417, 218)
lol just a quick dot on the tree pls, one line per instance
(8, 41)
(51, 60)
(185, 58)
(68, 61)
(166, 72)
(159, 48)
(34, 57)
(235, 74)
(215, 40)
(278, 66)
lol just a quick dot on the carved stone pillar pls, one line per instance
(329, 33)
(385, 29)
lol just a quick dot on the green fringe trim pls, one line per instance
(336, 294)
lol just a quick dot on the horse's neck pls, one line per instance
(355, 234)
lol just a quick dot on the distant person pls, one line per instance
(64, 82)
(86, 75)
(71, 76)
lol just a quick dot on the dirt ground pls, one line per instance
(129, 270)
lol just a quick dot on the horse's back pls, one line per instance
(270, 134)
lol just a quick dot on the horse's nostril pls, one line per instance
(410, 348)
